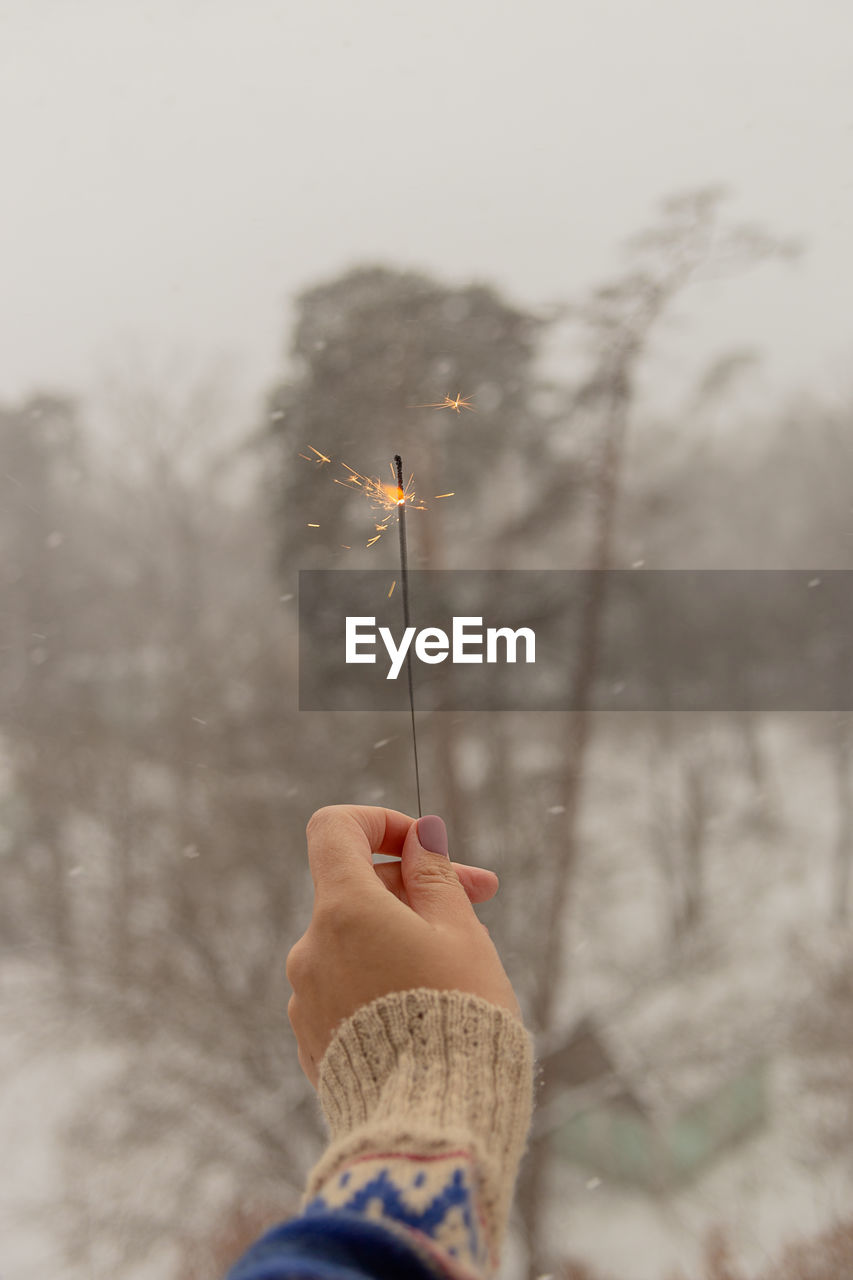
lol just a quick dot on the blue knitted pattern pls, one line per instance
(382, 1217)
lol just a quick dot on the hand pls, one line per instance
(386, 928)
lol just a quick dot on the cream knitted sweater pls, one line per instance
(428, 1098)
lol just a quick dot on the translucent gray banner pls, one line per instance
(677, 640)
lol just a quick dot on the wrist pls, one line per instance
(429, 1072)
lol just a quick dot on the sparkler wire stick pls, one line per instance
(404, 591)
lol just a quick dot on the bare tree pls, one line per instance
(683, 788)
(161, 834)
(619, 319)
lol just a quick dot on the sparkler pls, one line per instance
(389, 499)
(404, 591)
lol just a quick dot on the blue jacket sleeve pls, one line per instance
(336, 1246)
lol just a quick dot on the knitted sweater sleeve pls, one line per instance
(427, 1096)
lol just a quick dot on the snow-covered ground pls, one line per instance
(43, 1073)
(747, 975)
(764, 1194)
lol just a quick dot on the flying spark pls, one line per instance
(461, 402)
(320, 458)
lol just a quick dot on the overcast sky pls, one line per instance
(171, 171)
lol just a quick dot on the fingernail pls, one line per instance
(432, 834)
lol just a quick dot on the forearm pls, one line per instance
(428, 1098)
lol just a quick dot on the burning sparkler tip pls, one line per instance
(384, 498)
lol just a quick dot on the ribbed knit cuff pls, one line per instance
(427, 1071)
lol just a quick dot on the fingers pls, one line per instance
(341, 839)
(433, 888)
(480, 884)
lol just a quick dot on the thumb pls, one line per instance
(433, 888)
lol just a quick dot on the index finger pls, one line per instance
(342, 839)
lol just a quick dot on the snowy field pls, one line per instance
(748, 972)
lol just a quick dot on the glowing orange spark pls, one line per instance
(391, 591)
(461, 402)
(313, 526)
(444, 495)
(320, 458)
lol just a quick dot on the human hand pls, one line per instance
(384, 928)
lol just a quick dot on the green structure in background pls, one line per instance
(627, 1126)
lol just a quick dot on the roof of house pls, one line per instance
(670, 1043)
